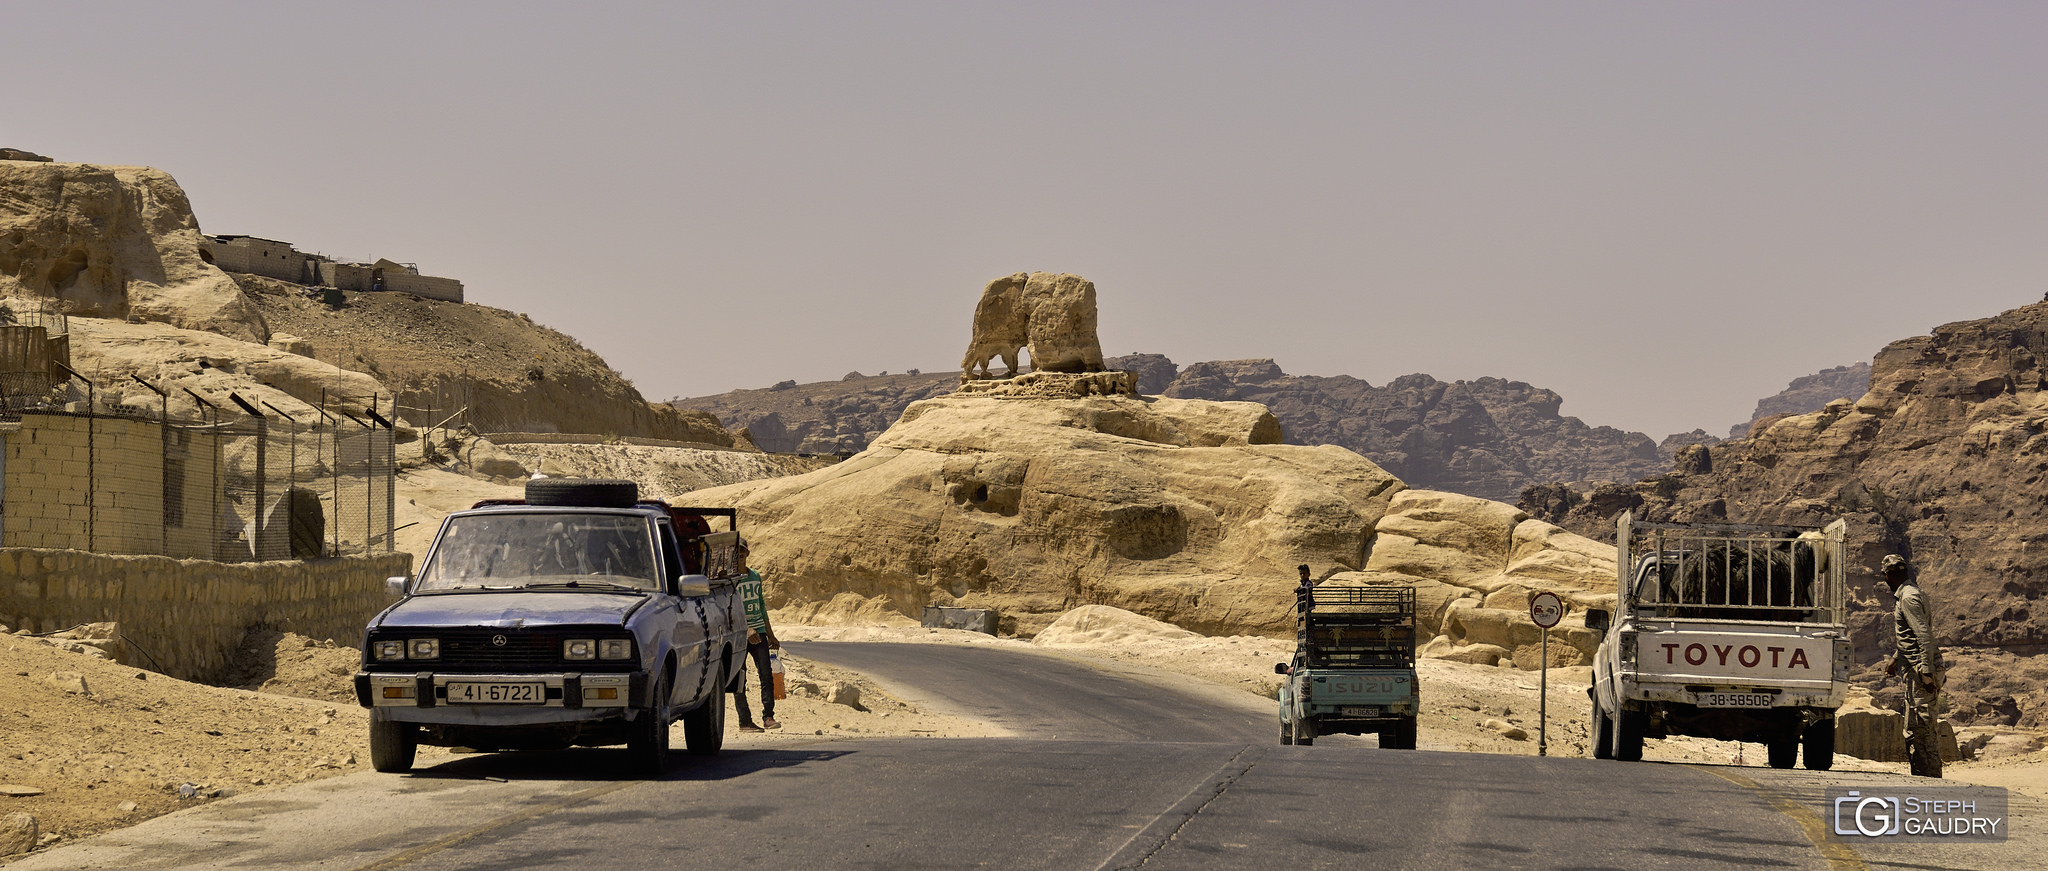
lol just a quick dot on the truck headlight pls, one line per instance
(388, 650)
(579, 649)
(615, 648)
(423, 648)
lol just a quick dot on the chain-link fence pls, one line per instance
(231, 487)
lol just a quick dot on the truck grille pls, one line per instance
(522, 650)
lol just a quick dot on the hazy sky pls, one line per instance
(1662, 211)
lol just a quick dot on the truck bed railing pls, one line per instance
(1383, 604)
(1784, 574)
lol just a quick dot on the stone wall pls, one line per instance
(265, 257)
(183, 618)
(109, 485)
(362, 279)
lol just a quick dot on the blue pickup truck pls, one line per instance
(580, 615)
(1353, 671)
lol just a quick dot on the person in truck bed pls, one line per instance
(1914, 647)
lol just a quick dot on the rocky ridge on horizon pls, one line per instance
(1487, 438)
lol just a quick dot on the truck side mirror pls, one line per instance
(1279, 668)
(395, 586)
(1597, 619)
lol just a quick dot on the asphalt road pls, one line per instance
(1107, 770)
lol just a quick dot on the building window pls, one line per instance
(174, 493)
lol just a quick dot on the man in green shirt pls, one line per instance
(760, 640)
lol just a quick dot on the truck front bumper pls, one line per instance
(607, 692)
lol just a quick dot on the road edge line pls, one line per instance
(1838, 855)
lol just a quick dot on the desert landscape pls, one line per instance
(1102, 524)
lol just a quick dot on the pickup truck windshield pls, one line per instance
(514, 551)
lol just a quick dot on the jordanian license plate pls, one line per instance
(1356, 711)
(496, 693)
(1732, 700)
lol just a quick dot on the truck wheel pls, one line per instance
(647, 746)
(392, 745)
(1629, 727)
(1304, 731)
(704, 728)
(582, 492)
(1400, 736)
(1820, 745)
(1603, 733)
(1782, 747)
(1286, 735)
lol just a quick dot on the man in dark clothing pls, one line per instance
(1914, 648)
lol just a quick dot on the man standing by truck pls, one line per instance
(760, 640)
(1915, 648)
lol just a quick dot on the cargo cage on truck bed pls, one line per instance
(1357, 627)
(1733, 572)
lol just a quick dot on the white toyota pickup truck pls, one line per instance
(1723, 631)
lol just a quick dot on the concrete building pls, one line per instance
(273, 259)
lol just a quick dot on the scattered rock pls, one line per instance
(1506, 729)
(18, 834)
(68, 682)
(15, 790)
(841, 693)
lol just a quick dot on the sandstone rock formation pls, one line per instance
(1808, 394)
(1187, 512)
(1182, 511)
(1474, 564)
(117, 353)
(114, 242)
(1052, 314)
(1944, 458)
(1489, 437)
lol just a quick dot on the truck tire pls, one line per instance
(1629, 727)
(1400, 736)
(647, 745)
(1603, 732)
(1286, 735)
(1782, 746)
(393, 745)
(1304, 731)
(582, 492)
(1820, 745)
(704, 727)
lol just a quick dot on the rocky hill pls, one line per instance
(1945, 459)
(497, 369)
(1810, 393)
(1488, 438)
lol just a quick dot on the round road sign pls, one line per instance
(1546, 609)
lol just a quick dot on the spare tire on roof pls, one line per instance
(582, 492)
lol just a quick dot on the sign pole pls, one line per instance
(1546, 609)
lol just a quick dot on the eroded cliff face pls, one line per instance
(1489, 438)
(114, 242)
(1180, 510)
(1944, 459)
